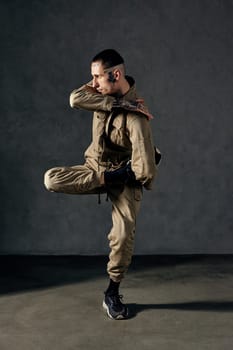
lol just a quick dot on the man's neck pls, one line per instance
(122, 89)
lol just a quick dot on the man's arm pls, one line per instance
(143, 153)
(86, 97)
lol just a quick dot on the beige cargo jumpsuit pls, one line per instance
(118, 136)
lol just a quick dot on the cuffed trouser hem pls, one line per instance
(117, 280)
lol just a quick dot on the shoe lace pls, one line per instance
(117, 302)
(117, 298)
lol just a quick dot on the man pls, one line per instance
(119, 161)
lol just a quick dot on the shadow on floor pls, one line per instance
(215, 306)
(25, 273)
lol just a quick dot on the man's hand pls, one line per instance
(136, 106)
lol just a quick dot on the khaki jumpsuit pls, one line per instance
(117, 136)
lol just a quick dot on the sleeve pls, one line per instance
(87, 98)
(143, 153)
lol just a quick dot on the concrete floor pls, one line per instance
(176, 302)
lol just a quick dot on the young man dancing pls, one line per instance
(119, 161)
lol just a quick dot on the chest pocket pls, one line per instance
(98, 130)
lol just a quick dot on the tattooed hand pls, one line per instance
(136, 106)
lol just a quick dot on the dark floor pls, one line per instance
(176, 302)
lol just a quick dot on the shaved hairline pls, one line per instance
(121, 67)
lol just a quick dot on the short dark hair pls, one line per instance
(109, 58)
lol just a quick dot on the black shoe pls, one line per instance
(114, 307)
(121, 176)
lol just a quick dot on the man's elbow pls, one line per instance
(74, 100)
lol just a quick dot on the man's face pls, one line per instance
(100, 79)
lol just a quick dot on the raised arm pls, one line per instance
(86, 97)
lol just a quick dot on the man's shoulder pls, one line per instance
(135, 116)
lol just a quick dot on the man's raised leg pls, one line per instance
(78, 179)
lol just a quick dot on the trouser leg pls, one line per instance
(125, 207)
(78, 179)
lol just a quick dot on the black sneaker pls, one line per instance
(114, 307)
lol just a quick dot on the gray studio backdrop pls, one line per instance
(181, 54)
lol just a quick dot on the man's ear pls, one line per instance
(117, 74)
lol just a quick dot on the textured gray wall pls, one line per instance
(181, 54)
